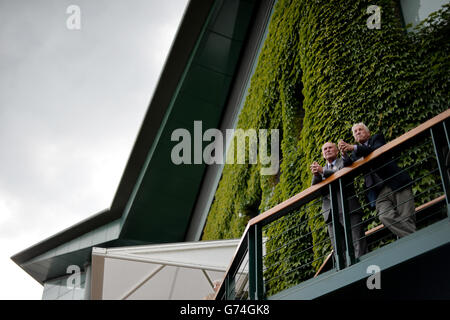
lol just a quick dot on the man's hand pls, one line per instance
(345, 147)
(316, 169)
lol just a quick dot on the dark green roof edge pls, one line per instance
(66, 235)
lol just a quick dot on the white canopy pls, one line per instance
(169, 271)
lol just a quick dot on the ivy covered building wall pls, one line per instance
(321, 69)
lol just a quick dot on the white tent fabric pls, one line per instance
(168, 271)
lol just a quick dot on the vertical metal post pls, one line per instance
(259, 279)
(447, 138)
(251, 263)
(229, 288)
(350, 250)
(338, 236)
(255, 269)
(439, 136)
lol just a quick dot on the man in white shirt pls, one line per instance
(333, 163)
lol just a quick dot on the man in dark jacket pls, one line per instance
(390, 187)
(333, 164)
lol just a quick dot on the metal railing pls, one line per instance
(291, 243)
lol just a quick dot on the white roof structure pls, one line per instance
(176, 271)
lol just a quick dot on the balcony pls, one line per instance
(286, 252)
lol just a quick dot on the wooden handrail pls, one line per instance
(324, 263)
(430, 203)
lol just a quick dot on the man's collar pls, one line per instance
(367, 141)
(332, 163)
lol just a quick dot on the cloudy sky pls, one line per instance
(71, 105)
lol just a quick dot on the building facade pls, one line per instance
(207, 77)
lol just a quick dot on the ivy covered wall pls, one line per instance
(321, 69)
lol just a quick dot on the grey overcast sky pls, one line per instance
(71, 105)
